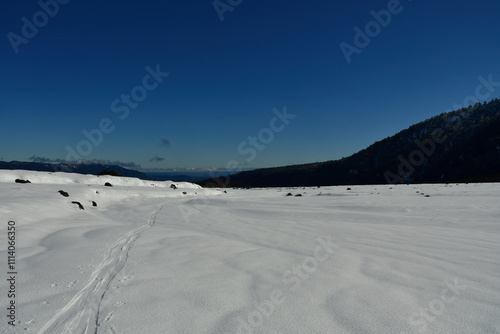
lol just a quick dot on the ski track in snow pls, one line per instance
(404, 263)
(82, 313)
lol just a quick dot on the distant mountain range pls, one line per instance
(94, 169)
(457, 146)
(193, 177)
(100, 169)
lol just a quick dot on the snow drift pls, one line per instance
(153, 259)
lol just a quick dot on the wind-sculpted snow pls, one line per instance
(70, 178)
(373, 259)
(82, 313)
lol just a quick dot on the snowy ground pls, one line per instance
(150, 259)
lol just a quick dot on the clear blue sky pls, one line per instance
(225, 77)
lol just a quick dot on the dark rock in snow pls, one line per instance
(107, 184)
(79, 205)
(62, 192)
(94, 203)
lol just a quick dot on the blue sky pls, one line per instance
(226, 77)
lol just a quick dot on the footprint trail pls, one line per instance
(82, 313)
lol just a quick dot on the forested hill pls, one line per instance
(457, 146)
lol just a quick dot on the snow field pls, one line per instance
(373, 259)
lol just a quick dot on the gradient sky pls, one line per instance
(226, 77)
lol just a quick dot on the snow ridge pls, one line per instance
(86, 303)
